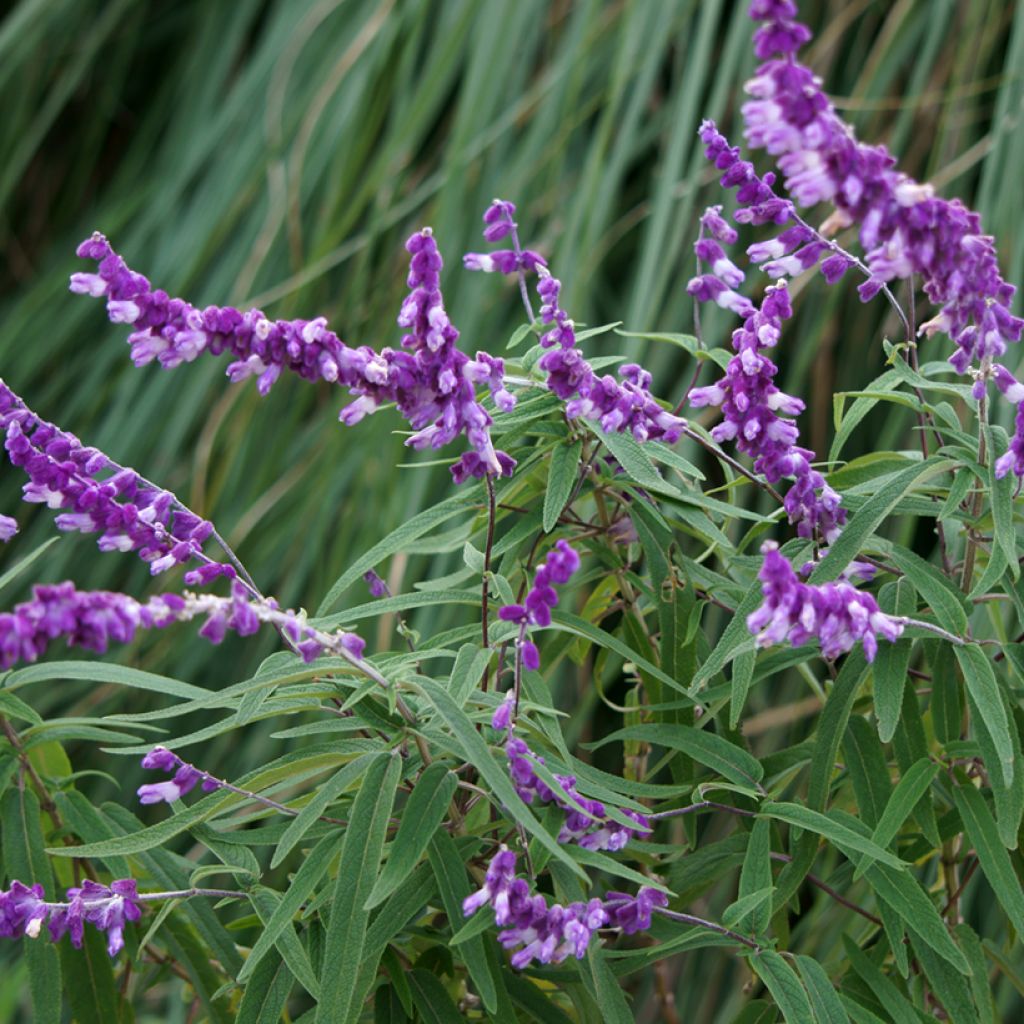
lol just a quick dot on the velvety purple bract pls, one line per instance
(836, 614)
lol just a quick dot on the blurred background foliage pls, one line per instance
(278, 153)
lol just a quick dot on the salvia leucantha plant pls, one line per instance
(436, 847)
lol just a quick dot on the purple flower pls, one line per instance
(98, 495)
(185, 778)
(106, 907)
(22, 910)
(836, 614)
(587, 822)
(1013, 391)
(904, 227)
(551, 934)
(755, 416)
(430, 380)
(378, 588)
(8, 528)
(633, 913)
(93, 619)
(617, 405)
(561, 562)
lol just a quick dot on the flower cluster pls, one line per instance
(836, 614)
(617, 405)
(24, 909)
(755, 412)
(92, 619)
(99, 496)
(185, 778)
(586, 821)
(904, 227)
(550, 934)
(561, 562)
(430, 380)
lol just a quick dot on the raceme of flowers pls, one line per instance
(431, 381)
(184, 781)
(904, 227)
(24, 910)
(94, 618)
(559, 565)
(617, 405)
(550, 934)
(99, 496)
(837, 615)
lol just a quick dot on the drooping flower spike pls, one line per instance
(551, 934)
(561, 562)
(24, 910)
(904, 227)
(836, 614)
(94, 619)
(96, 495)
(429, 379)
(617, 405)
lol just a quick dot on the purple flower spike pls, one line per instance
(633, 913)
(905, 228)
(1013, 391)
(93, 619)
(836, 614)
(106, 907)
(99, 496)
(431, 382)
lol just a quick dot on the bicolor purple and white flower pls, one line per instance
(185, 777)
(905, 229)
(551, 934)
(835, 614)
(93, 619)
(96, 495)
(429, 379)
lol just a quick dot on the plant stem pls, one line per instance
(699, 922)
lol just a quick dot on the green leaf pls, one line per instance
(629, 454)
(871, 514)
(980, 988)
(785, 987)
(756, 877)
(730, 761)
(341, 999)
(25, 563)
(950, 987)
(432, 1001)
(830, 829)
(868, 770)
(14, 707)
(902, 892)
(938, 590)
(302, 884)
(984, 692)
(565, 459)
(450, 871)
(100, 672)
(399, 538)
(469, 666)
(337, 784)
(266, 992)
(904, 799)
(992, 855)
(734, 640)
(580, 627)
(898, 1007)
(89, 981)
(825, 1001)
(479, 755)
(606, 988)
(423, 813)
(24, 858)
